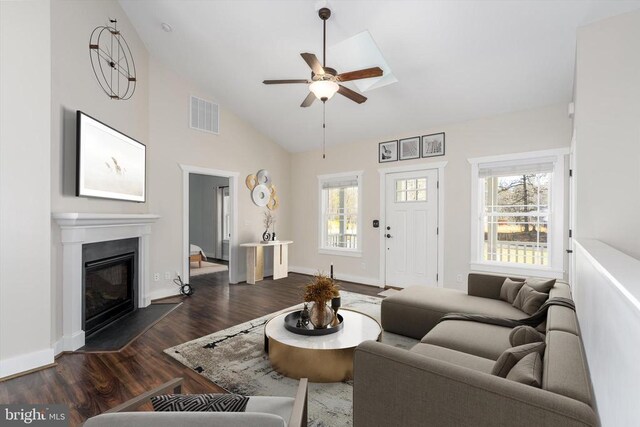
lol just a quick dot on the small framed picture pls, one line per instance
(388, 151)
(433, 145)
(410, 148)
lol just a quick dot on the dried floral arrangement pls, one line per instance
(321, 289)
(269, 220)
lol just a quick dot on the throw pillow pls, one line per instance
(199, 403)
(528, 370)
(529, 300)
(511, 356)
(510, 289)
(521, 335)
(539, 284)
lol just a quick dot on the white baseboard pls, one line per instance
(26, 362)
(164, 293)
(370, 281)
(58, 347)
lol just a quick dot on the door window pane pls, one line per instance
(411, 190)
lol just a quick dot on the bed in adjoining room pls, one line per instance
(196, 254)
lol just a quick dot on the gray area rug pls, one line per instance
(235, 360)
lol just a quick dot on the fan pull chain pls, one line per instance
(324, 129)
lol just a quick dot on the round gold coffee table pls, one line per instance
(322, 359)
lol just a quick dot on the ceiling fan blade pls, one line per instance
(313, 63)
(308, 100)
(360, 74)
(281, 82)
(354, 96)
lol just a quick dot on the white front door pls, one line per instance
(411, 228)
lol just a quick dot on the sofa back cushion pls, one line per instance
(486, 285)
(565, 369)
(561, 318)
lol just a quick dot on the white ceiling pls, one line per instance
(454, 60)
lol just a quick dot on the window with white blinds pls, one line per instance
(340, 201)
(519, 205)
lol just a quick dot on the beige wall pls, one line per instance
(157, 115)
(239, 148)
(74, 87)
(25, 114)
(531, 130)
(607, 123)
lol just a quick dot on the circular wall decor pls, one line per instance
(261, 195)
(251, 182)
(112, 61)
(264, 177)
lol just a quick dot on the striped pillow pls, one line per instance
(199, 403)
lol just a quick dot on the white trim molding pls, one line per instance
(78, 229)
(370, 281)
(357, 253)
(556, 268)
(233, 217)
(383, 172)
(606, 291)
(26, 362)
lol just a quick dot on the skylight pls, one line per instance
(361, 51)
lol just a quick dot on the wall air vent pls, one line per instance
(205, 115)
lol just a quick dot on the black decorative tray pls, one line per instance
(291, 320)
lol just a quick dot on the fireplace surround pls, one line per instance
(110, 282)
(78, 230)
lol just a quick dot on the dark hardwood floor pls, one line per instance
(92, 383)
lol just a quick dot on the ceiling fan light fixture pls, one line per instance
(324, 89)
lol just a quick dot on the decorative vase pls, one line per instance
(320, 315)
(266, 236)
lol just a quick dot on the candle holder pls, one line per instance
(335, 305)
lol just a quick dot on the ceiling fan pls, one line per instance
(325, 80)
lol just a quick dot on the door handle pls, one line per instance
(388, 236)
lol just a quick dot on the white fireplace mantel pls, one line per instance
(78, 229)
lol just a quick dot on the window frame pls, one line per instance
(322, 226)
(557, 216)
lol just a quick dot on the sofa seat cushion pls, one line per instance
(275, 405)
(414, 311)
(564, 367)
(191, 419)
(478, 339)
(455, 357)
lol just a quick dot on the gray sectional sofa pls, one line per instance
(446, 380)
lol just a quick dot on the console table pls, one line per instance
(255, 260)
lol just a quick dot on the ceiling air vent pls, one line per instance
(205, 115)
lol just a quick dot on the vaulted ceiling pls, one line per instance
(454, 60)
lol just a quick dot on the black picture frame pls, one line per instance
(428, 141)
(136, 166)
(392, 152)
(409, 156)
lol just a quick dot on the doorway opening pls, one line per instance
(209, 222)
